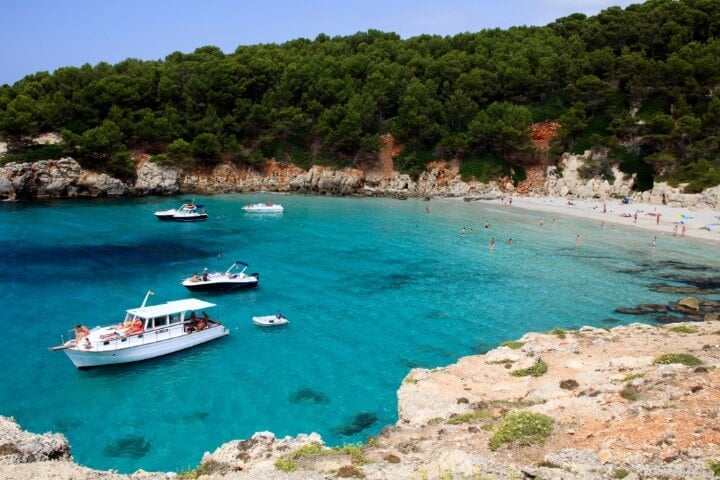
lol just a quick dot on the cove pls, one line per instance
(372, 286)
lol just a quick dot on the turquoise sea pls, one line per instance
(372, 287)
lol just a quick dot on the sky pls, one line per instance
(42, 35)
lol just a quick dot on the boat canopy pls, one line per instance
(238, 262)
(177, 306)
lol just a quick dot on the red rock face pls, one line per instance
(543, 133)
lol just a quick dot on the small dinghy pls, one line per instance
(270, 320)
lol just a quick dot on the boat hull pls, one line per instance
(189, 218)
(219, 286)
(89, 359)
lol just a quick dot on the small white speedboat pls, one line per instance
(268, 207)
(188, 212)
(270, 320)
(219, 281)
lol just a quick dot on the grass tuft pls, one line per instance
(469, 417)
(683, 329)
(540, 368)
(515, 345)
(683, 358)
(559, 332)
(524, 428)
(632, 376)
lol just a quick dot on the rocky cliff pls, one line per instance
(565, 179)
(66, 178)
(632, 402)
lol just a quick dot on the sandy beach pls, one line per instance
(618, 213)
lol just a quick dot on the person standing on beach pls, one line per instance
(604, 207)
(675, 228)
(657, 218)
(635, 216)
(684, 229)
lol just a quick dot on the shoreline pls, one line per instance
(646, 220)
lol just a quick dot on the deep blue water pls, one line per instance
(373, 287)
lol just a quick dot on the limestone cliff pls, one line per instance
(65, 178)
(632, 402)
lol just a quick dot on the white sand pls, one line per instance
(593, 209)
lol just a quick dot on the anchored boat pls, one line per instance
(147, 332)
(268, 207)
(188, 212)
(270, 320)
(219, 281)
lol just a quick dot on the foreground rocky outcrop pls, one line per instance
(633, 402)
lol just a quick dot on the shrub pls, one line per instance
(524, 428)
(285, 464)
(350, 471)
(559, 332)
(540, 368)
(392, 458)
(512, 344)
(683, 358)
(484, 169)
(715, 468)
(683, 329)
(632, 376)
(630, 392)
(620, 473)
(569, 384)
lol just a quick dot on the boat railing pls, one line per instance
(154, 335)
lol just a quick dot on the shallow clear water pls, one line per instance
(373, 287)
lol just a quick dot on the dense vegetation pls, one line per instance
(643, 82)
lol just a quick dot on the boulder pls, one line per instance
(691, 303)
(19, 446)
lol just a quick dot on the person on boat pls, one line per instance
(195, 277)
(205, 275)
(269, 203)
(87, 344)
(81, 331)
(201, 324)
(136, 327)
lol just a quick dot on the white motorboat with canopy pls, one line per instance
(222, 281)
(267, 207)
(188, 212)
(147, 332)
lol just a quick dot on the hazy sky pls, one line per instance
(38, 35)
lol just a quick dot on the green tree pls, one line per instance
(206, 147)
(502, 128)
